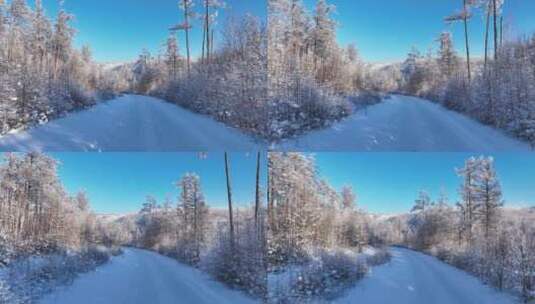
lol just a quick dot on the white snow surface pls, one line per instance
(141, 277)
(130, 123)
(409, 124)
(141, 123)
(413, 277)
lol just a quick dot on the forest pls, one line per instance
(227, 244)
(228, 81)
(47, 237)
(319, 241)
(497, 89)
(42, 76)
(478, 234)
(299, 238)
(273, 79)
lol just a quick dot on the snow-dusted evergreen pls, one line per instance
(41, 75)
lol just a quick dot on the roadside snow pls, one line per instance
(130, 123)
(413, 277)
(139, 276)
(140, 123)
(404, 123)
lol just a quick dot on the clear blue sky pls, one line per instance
(389, 182)
(119, 182)
(383, 30)
(118, 30)
(386, 30)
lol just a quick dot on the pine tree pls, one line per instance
(489, 195)
(187, 7)
(172, 56)
(447, 60)
(469, 206)
(61, 40)
(348, 198)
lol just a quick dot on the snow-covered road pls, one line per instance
(408, 124)
(130, 123)
(414, 278)
(142, 277)
(140, 123)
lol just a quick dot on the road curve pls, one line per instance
(141, 277)
(130, 123)
(407, 124)
(412, 278)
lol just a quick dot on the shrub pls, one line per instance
(328, 274)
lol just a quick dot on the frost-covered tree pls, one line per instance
(447, 58)
(488, 193)
(465, 15)
(187, 7)
(468, 206)
(193, 211)
(42, 75)
(172, 57)
(349, 197)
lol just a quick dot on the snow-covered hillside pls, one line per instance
(413, 277)
(406, 124)
(140, 277)
(130, 123)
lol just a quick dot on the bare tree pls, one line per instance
(229, 196)
(465, 15)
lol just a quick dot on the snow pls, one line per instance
(130, 123)
(413, 277)
(404, 123)
(139, 276)
(140, 123)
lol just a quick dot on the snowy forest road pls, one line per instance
(141, 277)
(408, 124)
(413, 277)
(130, 123)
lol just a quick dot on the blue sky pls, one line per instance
(383, 30)
(386, 30)
(389, 182)
(118, 30)
(119, 182)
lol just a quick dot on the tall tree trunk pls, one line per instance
(495, 13)
(487, 27)
(257, 196)
(186, 20)
(207, 21)
(203, 43)
(501, 31)
(467, 41)
(229, 195)
(212, 43)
